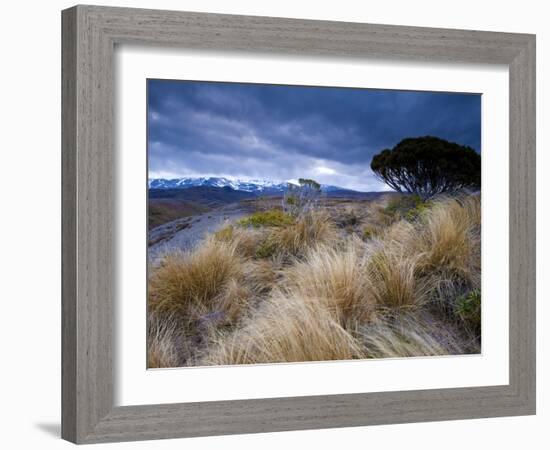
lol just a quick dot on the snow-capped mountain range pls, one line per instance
(252, 186)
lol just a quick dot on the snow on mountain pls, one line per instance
(254, 186)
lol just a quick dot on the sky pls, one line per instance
(280, 133)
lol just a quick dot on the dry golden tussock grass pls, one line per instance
(183, 282)
(234, 300)
(245, 240)
(161, 342)
(313, 291)
(312, 228)
(391, 277)
(262, 275)
(334, 277)
(286, 329)
(407, 335)
(449, 239)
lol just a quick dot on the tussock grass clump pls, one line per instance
(334, 277)
(233, 300)
(161, 342)
(393, 209)
(406, 335)
(312, 228)
(261, 275)
(286, 329)
(193, 280)
(350, 216)
(246, 241)
(449, 239)
(270, 218)
(391, 273)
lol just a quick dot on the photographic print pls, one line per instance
(297, 223)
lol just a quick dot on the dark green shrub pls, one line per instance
(428, 166)
(468, 309)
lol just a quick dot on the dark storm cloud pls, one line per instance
(287, 132)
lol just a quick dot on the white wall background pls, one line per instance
(31, 208)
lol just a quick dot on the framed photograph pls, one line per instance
(277, 224)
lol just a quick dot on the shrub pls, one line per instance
(271, 218)
(409, 207)
(468, 308)
(302, 197)
(428, 166)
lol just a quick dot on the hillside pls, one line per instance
(386, 278)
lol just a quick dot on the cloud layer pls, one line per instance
(286, 132)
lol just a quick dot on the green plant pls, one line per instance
(225, 234)
(368, 233)
(270, 218)
(266, 249)
(418, 211)
(428, 166)
(409, 207)
(468, 308)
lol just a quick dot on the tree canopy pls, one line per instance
(428, 166)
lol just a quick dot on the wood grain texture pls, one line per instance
(68, 225)
(89, 36)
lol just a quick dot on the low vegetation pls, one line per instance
(270, 218)
(394, 277)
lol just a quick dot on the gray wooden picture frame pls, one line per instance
(90, 34)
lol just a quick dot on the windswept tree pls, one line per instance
(301, 197)
(428, 166)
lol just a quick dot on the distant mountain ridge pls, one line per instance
(258, 187)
